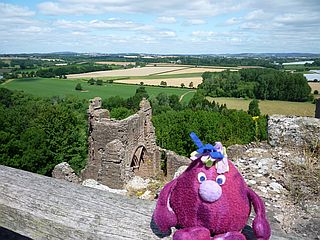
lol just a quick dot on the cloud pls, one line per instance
(111, 23)
(232, 21)
(167, 34)
(166, 20)
(9, 10)
(193, 8)
(196, 21)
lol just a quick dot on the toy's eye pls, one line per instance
(221, 179)
(201, 177)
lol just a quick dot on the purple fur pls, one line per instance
(199, 205)
(163, 215)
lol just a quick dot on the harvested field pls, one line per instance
(315, 86)
(117, 63)
(175, 82)
(144, 71)
(196, 70)
(270, 107)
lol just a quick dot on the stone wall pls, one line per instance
(293, 131)
(121, 149)
(173, 162)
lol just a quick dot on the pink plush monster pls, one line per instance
(210, 200)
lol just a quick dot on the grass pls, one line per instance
(48, 87)
(302, 179)
(271, 107)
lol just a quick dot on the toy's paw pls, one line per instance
(261, 228)
(229, 236)
(193, 233)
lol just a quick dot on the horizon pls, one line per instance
(200, 27)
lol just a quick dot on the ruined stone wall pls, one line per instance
(173, 162)
(120, 149)
(293, 131)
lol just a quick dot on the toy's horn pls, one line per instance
(196, 140)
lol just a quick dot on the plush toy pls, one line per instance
(210, 200)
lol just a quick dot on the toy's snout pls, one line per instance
(210, 191)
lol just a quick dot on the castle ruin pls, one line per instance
(121, 149)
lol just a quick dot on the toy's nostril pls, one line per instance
(210, 191)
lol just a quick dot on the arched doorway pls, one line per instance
(138, 164)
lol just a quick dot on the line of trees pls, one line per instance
(38, 133)
(256, 83)
(73, 69)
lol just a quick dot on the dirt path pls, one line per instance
(4, 83)
(182, 96)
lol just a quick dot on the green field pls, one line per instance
(48, 87)
(271, 107)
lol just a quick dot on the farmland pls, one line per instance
(48, 87)
(270, 107)
(176, 82)
(126, 72)
(173, 75)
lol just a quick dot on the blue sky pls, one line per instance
(164, 27)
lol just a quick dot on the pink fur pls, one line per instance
(181, 204)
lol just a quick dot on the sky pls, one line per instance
(160, 27)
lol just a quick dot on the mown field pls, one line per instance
(173, 75)
(271, 107)
(48, 87)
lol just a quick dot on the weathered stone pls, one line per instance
(65, 172)
(294, 131)
(276, 187)
(179, 171)
(174, 162)
(137, 183)
(94, 184)
(121, 149)
(147, 195)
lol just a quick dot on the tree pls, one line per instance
(315, 92)
(120, 113)
(191, 85)
(163, 99)
(91, 81)
(182, 85)
(254, 108)
(99, 82)
(78, 87)
(163, 83)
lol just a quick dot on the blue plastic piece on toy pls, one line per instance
(196, 140)
(203, 149)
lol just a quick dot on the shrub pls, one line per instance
(91, 81)
(78, 87)
(99, 82)
(315, 92)
(254, 108)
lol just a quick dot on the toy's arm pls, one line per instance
(260, 224)
(163, 216)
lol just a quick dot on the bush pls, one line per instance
(316, 92)
(99, 82)
(230, 127)
(254, 109)
(78, 87)
(91, 81)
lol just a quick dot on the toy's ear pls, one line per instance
(164, 216)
